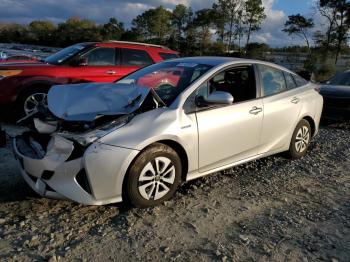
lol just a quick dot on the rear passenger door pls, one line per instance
(133, 59)
(282, 106)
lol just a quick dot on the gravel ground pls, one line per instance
(270, 209)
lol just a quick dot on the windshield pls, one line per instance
(167, 79)
(341, 79)
(65, 54)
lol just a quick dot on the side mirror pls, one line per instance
(215, 98)
(80, 62)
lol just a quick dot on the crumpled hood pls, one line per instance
(84, 102)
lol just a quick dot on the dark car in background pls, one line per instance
(24, 85)
(18, 59)
(336, 95)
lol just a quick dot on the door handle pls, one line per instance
(255, 110)
(295, 100)
(110, 72)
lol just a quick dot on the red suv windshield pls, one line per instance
(65, 54)
(168, 79)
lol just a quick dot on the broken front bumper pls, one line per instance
(92, 176)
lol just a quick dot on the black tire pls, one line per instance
(300, 140)
(25, 95)
(152, 154)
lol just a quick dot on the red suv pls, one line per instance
(25, 85)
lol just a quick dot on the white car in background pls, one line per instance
(170, 122)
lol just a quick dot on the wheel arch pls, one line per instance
(179, 149)
(312, 124)
(181, 152)
(34, 84)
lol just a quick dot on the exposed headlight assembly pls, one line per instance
(7, 73)
(90, 137)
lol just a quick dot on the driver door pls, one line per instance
(231, 133)
(102, 65)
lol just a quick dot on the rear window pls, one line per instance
(299, 80)
(102, 56)
(134, 57)
(342, 79)
(272, 79)
(289, 80)
(167, 56)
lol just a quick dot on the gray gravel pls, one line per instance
(270, 209)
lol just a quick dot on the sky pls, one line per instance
(24, 11)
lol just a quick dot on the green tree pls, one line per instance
(219, 20)
(337, 12)
(130, 35)
(190, 46)
(154, 25)
(203, 22)
(13, 33)
(257, 50)
(75, 30)
(227, 16)
(330, 14)
(254, 16)
(239, 28)
(300, 26)
(113, 30)
(180, 18)
(41, 32)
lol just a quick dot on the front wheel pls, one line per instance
(31, 100)
(154, 176)
(300, 140)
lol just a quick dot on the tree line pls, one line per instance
(334, 35)
(219, 29)
(225, 28)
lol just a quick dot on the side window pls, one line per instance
(289, 80)
(272, 80)
(167, 56)
(134, 57)
(299, 80)
(238, 81)
(101, 57)
(340, 79)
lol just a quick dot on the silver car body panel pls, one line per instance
(213, 139)
(234, 125)
(100, 162)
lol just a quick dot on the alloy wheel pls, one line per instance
(302, 139)
(156, 178)
(34, 101)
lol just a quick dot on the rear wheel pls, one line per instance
(154, 176)
(300, 140)
(31, 100)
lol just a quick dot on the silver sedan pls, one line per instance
(175, 121)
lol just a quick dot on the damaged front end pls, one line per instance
(60, 155)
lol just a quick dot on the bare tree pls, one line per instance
(254, 15)
(299, 25)
(229, 10)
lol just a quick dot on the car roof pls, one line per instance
(207, 60)
(221, 60)
(139, 45)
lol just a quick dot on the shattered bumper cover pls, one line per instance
(64, 171)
